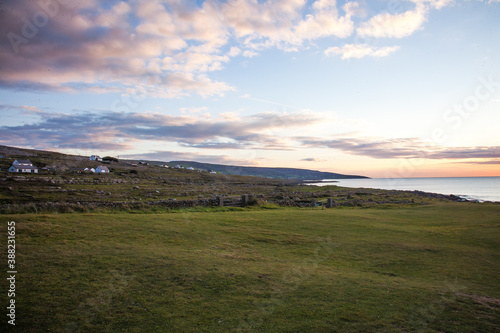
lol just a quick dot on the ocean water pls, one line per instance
(471, 188)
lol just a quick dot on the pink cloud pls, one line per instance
(169, 48)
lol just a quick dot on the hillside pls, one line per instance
(278, 173)
(63, 161)
(410, 269)
(62, 186)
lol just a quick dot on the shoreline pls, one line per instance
(471, 189)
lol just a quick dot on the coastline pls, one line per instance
(472, 189)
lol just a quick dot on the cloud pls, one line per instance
(438, 4)
(166, 155)
(164, 48)
(483, 162)
(312, 159)
(94, 46)
(325, 21)
(402, 148)
(23, 108)
(394, 25)
(171, 48)
(122, 130)
(357, 51)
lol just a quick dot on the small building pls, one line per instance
(95, 158)
(102, 169)
(23, 168)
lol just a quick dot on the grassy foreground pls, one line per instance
(432, 268)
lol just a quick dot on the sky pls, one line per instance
(385, 89)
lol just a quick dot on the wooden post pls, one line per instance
(329, 203)
(244, 200)
(314, 202)
(221, 201)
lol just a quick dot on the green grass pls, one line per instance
(432, 268)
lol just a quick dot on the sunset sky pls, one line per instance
(378, 88)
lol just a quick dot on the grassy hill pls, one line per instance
(65, 187)
(60, 162)
(278, 173)
(429, 268)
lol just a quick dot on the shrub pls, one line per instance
(110, 159)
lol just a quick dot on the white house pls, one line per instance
(95, 158)
(24, 168)
(102, 169)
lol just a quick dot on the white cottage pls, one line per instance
(102, 169)
(95, 158)
(24, 166)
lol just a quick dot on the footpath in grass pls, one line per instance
(416, 269)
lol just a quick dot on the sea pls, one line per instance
(470, 188)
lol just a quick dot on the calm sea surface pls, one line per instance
(471, 188)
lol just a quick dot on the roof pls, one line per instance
(24, 161)
(103, 167)
(25, 167)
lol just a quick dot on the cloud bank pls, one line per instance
(120, 131)
(401, 148)
(264, 131)
(170, 48)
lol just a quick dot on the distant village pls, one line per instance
(26, 166)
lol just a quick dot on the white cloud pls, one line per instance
(395, 26)
(281, 23)
(249, 54)
(438, 4)
(357, 51)
(356, 9)
(324, 21)
(234, 51)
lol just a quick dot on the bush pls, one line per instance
(110, 159)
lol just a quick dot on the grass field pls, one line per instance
(433, 268)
